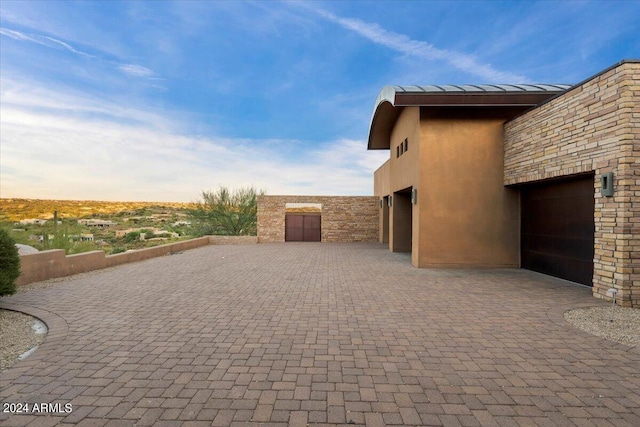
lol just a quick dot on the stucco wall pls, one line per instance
(404, 225)
(400, 173)
(381, 182)
(468, 218)
(381, 188)
(233, 240)
(344, 218)
(54, 263)
(405, 169)
(50, 264)
(593, 127)
(464, 216)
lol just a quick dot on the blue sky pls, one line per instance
(159, 100)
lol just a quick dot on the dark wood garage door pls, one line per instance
(302, 228)
(558, 229)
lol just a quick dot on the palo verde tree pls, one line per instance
(226, 212)
(9, 264)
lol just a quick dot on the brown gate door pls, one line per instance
(294, 228)
(558, 229)
(302, 228)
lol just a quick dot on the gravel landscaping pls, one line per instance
(17, 336)
(625, 327)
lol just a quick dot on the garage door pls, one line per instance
(558, 229)
(302, 228)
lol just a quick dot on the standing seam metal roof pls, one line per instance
(483, 88)
(485, 95)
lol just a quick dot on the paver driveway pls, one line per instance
(298, 334)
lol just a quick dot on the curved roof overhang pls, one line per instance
(392, 99)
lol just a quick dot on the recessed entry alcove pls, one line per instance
(303, 222)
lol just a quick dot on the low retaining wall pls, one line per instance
(54, 263)
(233, 240)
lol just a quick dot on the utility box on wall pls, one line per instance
(606, 184)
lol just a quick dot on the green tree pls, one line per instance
(226, 212)
(9, 264)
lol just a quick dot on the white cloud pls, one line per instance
(17, 35)
(80, 148)
(65, 101)
(136, 70)
(130, 69)
(43, 40)
(421, 49)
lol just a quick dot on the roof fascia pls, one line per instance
(390, 103)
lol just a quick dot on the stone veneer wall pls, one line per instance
(344, 218)
(591, 128)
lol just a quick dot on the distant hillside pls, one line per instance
(18, 209)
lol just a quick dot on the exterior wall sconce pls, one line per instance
(380, 203)
(414, 196)
(606, 184)
(389, 203)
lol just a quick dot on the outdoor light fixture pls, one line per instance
(606, 184)
(389, 201)
(380, 203)
(414, 196)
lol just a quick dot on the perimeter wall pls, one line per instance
(54, 263)
(344, 218)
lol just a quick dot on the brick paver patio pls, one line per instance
(311, 334)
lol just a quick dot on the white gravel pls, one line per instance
(17, 335)
(625, 327)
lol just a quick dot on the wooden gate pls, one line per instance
(302, 227)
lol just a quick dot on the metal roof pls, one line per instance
(483, 88)
(391, 99)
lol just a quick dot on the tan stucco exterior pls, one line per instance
(468, 217)
(469, 155)
(54, 263)
(464, 216)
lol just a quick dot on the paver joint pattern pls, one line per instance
(316, 334)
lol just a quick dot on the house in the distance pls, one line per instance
(101, 223)
(543, 177)
(33, 221)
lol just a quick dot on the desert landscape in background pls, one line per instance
(20, 209)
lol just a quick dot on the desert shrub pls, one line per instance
(80, 247)
(226, 212)
(9, 264)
